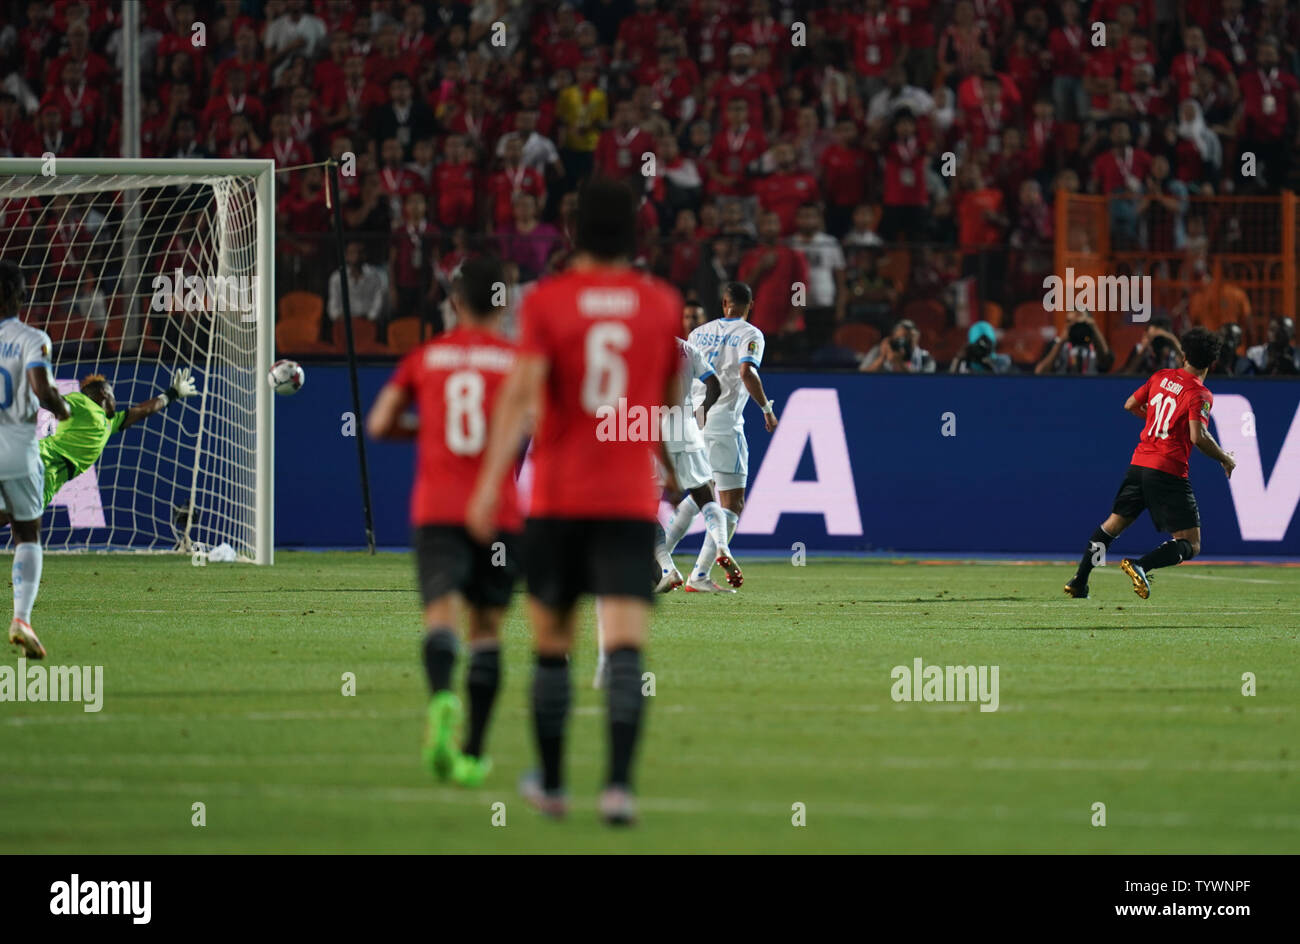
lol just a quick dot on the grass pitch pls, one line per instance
(223, 686)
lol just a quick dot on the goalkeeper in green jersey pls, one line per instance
(79, 440)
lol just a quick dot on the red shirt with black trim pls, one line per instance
(609, 338)
(1173, 397)
(454, 381)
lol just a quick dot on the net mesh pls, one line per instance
(133, 276)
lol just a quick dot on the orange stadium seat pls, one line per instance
(1032, 315)
(403, 334)
(930, 316)
(1123, 339)
(857, 337)
(1025, 346)
(302, 306)
(298, 336)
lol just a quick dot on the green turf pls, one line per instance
(223, 686)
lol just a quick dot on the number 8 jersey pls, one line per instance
(1172, 397)
(453, 381)
(609, 338)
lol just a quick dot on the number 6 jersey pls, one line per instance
(454, 381)
(609, 338)
(1172, 397)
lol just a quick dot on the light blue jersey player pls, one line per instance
(26, 385)
(734, 349)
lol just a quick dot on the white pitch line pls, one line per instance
(775, 809)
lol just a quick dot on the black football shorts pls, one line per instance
(448, 560)
(565, 558)
(1168, 497)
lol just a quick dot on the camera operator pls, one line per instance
(1278, 356)
(980, 355)
(900, 353)
(1231, 362)
(1082, 351)
(1158, 350)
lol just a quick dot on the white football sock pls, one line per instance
(732, 520)
(709, 551)
(716, 523)
(27, 578)
(681, 523)
(661, 549)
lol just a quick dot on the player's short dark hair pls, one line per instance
(1201, 347)
(477, 284)
(13, 288)
(606, 226)
(738, 292)
(92, 385)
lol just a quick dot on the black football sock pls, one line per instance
(440, 646)
(550, 714)
(625, 705)
(1085, 563)
(482, 679)
(1167, 555)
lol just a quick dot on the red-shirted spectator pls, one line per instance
(770, 268)
(843, 169)
(962, 39)
(67, 238)
(906, 198)
(1101, 74)
(237, 100)
(256, 74)
(710, 34)
(672, 82)
(395, 179)
(241, 139)
(302, 210)
(734, 150)
(78, 103)
(53, 138)
(474, 120)
(349, 103)
(619, 153)
(513, 178)
(982, 126)
(1024, 66)
(413, 42)
(875, 41)
(1231, 33)
(183, 39)
(327, 75)
(1270, 99)
(741, 81)
(970, 92)
(456, 181)
(16, 135)
(95, 68)
(1108, 11)
(1196, 54)
(784, 190)
(1121, 168)
(763, 31)
(638, 33)
(980, 217)
(283, 148)
(684, 249)
(386, 58)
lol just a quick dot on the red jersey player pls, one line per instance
(597, 340)
(1175, 407)
(453, 382)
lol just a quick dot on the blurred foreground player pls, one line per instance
(597, 338)
(453, 381)
(1175, 404)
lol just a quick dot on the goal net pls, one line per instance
(136, 268)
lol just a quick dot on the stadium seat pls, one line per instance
(365, 339)
(298, 336)
(856, 337)
(404, 334)
(302, 306)
(930, 316)
(1032, 315)
(993, 314)
(1025, 346)
(1123, 339)
(896, 266)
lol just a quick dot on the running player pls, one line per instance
(453, 381)
(29, 384)
(1175, 405)
(596, 337)
(734, 348)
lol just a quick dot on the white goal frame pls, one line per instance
(262, 174)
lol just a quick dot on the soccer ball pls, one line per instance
(286, 377)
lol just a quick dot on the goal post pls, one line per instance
(136, 267)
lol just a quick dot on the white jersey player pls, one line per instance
(26, 385)
(734, 348)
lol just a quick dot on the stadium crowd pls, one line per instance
(897, 160)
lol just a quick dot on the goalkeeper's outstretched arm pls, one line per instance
(182, 386)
